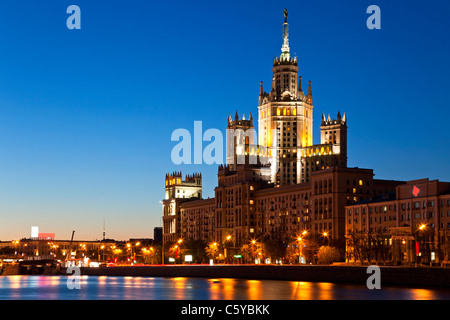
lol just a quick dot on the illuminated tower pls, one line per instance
(285, 116)
(178, 191)
(190, 187)
(332, 150)
(240, 137)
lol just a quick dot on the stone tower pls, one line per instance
(285, 116)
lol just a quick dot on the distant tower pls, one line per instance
(240, 135)
(332, 150)
(104, 229)
(190, 187)
(285, 115)
(334, 132)
(178, 191)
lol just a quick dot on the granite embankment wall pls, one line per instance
(396, 276)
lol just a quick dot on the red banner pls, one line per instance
(417, 248)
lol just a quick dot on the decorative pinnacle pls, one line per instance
(285, 48)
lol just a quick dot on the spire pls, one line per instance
(323, 119)
(236, 117)
(285, 57)
(261, 93)
(310, 99)
(344, 118)
(229, 118)
(300, 89)
(339, 116)
(251, 118)
(285, 48)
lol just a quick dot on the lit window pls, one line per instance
(360, 182)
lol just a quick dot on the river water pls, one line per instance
(158, 288)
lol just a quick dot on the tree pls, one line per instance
(196, 248)
(275, 249)
(212, 250)
(254, 250)
(355, 246)
(292, 253)
(328, 255)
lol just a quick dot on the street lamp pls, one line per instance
(254, 245)
(421, 227)
(325, 235)
(227, 238)
(300, 251)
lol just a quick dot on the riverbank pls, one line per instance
(390, 276)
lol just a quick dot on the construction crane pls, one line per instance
(69, 251)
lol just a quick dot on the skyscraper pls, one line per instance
(285, 115)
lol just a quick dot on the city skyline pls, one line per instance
(86, 112)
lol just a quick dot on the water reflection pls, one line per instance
(180, 288)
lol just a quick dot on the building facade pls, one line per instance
(409, 225)
(283, 185)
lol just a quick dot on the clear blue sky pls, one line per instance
(86, 115)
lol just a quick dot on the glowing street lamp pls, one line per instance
(421, 227)
(325, 235)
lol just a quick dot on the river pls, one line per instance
(160, 288)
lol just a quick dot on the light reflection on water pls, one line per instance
(150, 288)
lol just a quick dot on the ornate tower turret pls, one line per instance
(285, 115)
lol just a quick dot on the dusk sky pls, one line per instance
(86, 116)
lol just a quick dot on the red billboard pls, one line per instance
(46, 236)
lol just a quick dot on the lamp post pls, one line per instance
(178, 246)
(228, 238)
(300, 242)
(420, 228)
(325, 235)
(253, 243)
